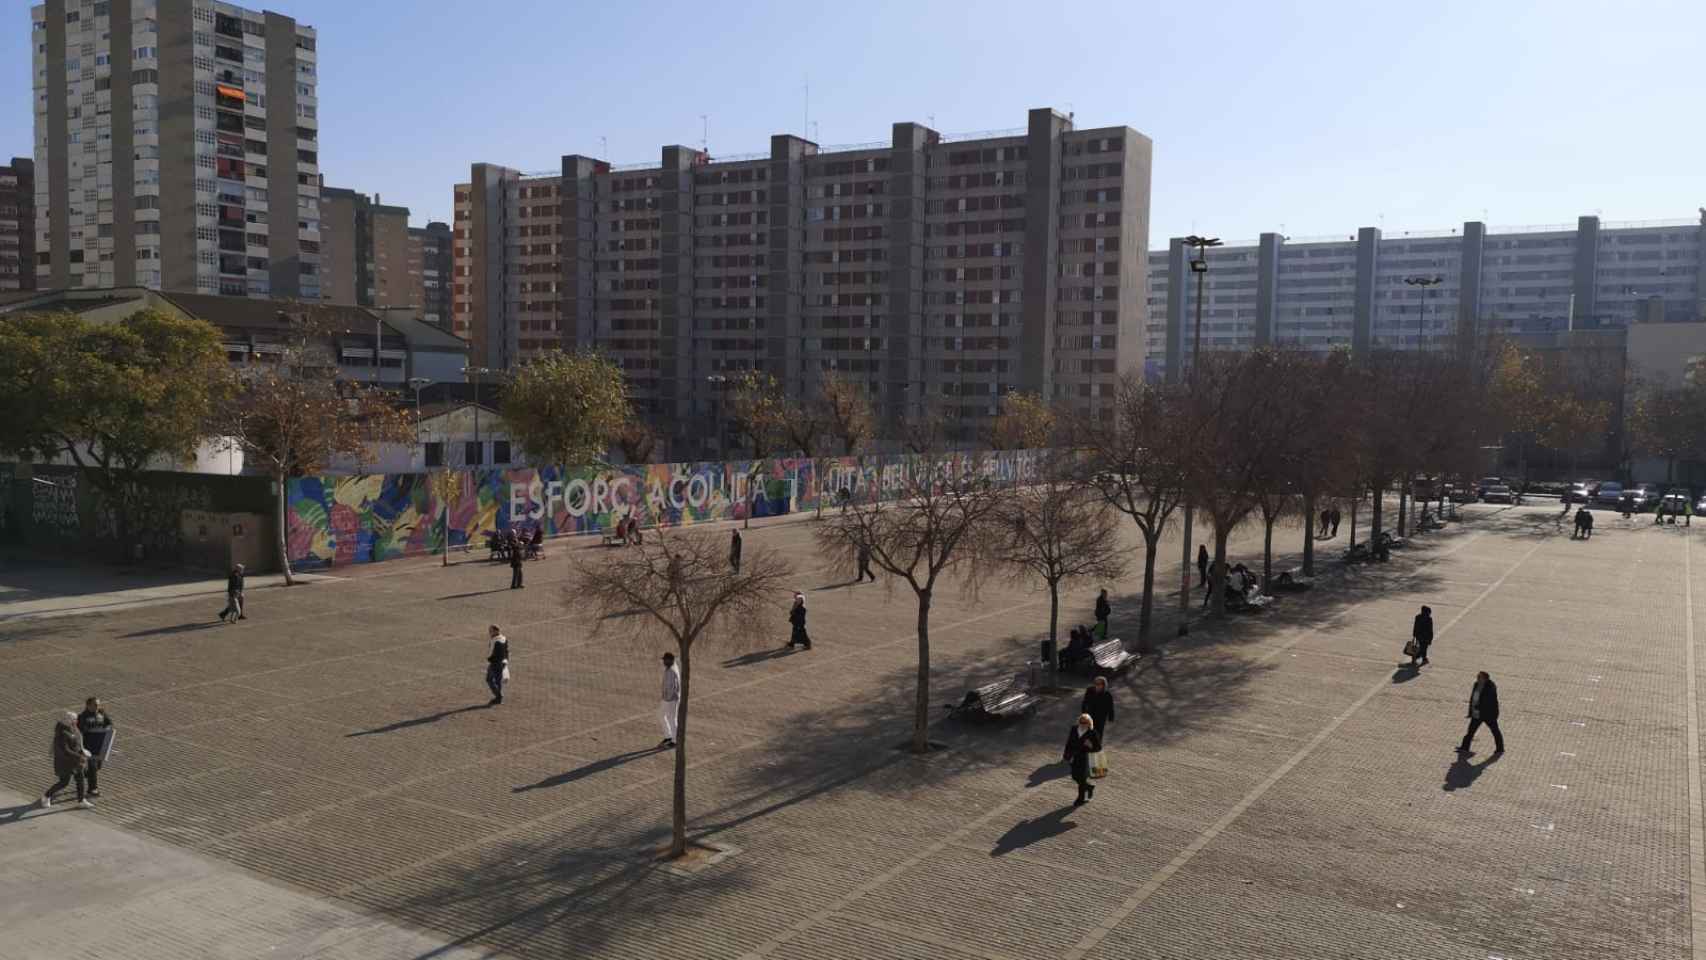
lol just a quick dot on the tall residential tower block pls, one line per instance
(938, 272)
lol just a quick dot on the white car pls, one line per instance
(1500, 493)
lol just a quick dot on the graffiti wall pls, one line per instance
(58, 508)
(337, 520)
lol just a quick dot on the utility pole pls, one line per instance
(1199, 266)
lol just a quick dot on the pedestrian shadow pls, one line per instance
(834, 586)
(1406, 672)
(17, 813)
(177, 628)
(1026, 832)
(1462, 774)
(1046, 773)
(580, 773)
(759, 656)
(416, 722)
(474, 593)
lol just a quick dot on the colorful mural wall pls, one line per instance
(337, 520)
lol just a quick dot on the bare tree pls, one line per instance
(294, 416)
(1134, 465)
(943, 512)
(677, 589)
(1026, 422)
(636, 441)
(847, 412)
(1058, 531)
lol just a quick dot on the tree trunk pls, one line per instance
(921, 712)
(1379, 509)
(1185, 577)
(1267, 549)
(1150, 542)
(1217, 573)
(283, 540)
(1309, 535)
(1353, 543)
(1053, 609)
(1403, 501)
(678, 820)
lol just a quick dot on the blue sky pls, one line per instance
(1312, 118)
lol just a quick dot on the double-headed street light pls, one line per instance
(478, 372)
(418, 383)
(1199, 266)
(1422, 311)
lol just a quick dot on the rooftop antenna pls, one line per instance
(705, 135)
(806, 118)
(604, 151)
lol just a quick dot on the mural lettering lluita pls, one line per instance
(335, 520)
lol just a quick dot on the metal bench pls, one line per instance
(1003, 698)
(1110, 656)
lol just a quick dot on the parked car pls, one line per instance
(1700, 505)
(1609, 494)
(1580, 492)
(1501, 493)
(1674, 501)
(1641, 497)
(1484, 483)
(1459, 493)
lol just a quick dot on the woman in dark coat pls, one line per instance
(1202, 564)
(1099, 705)
(70, 760)
(1081, 741)
(1423, 633)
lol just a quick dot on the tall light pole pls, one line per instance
(1422, 315)
(1199, 266)
(418, 383)
(477, 372)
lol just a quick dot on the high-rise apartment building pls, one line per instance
(429, 268)
(1351, 291)
(936, 271)
(18, 225)
(364, 251)
(176, 148)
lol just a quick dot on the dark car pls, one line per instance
(1608, 494)
(1640, 497)
(1580, 492)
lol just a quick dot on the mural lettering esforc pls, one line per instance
(335, 520)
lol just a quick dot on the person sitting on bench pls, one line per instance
(536, 543)
(1078, 648)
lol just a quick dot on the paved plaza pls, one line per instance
(325, 780)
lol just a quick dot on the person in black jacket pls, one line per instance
(70, 761)
(233, 596)
(515, 558)
(497, 662)
(734, 550)
(1081, 741)
(1104, 610)
(97, 728)
(1202, 564)
(1423, 633)
(1098, 703)
(797, 617)
(1483, 708)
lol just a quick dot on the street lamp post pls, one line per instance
(418, 383)
(477, 372)
(717, 383)
(1199, 266)
(1422, 310)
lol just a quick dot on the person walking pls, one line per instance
(734, 551)
(1202, 564)
(96, 728)
(797, 618)
(1483, 708)
(497, 664)
(1098, 704)
(1104, 610)
(1422, 636)
(669, 708)
(233, 611)
(1687, 511)
(70, 761)
(865, 564)
(1337, 514)
(1081, 742)
(1326, 518)
(514, 563)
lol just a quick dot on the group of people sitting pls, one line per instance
(1081, 639)
(1243, 589)
(628, 532)
(512, 541)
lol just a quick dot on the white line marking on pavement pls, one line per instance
(1147, 890)
(1696, 823)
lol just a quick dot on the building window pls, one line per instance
(500, 451)
(471, 453)
(435, 454)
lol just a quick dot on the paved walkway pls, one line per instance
(1279, 788)
(31, 589)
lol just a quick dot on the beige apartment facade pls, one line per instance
(938, 272)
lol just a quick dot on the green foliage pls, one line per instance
(567, 408)
(116, 398)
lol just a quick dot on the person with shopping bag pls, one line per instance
(497, 665)
(1081, 742)
(1098, 705)
(1421, 637)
